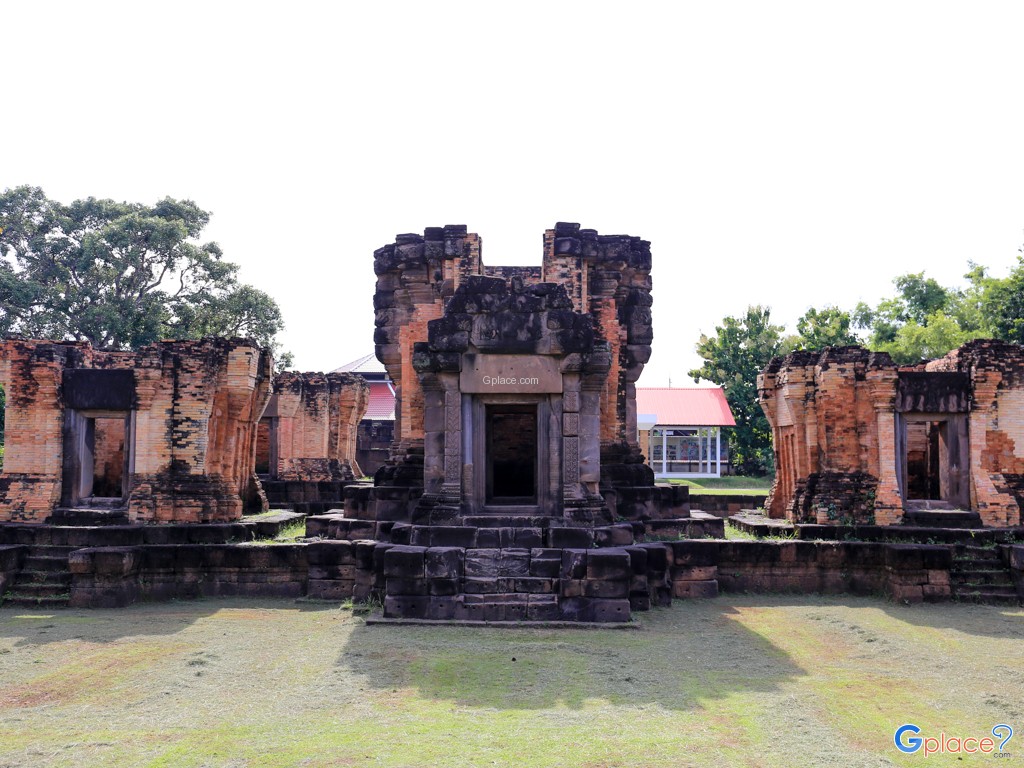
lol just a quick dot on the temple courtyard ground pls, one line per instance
(748, 680)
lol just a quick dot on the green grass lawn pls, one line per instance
(722, 486)
(736, 681)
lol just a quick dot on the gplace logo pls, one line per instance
(907, 740)
(494, 381)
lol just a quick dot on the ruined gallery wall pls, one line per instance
(31, 374)
(996, 425)
(207, 396)
(192, 407)
(315, 419)
(832, 420)
(834, 413)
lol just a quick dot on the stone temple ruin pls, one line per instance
(163, 435)
(859, 439)
(515, 489)
(306, 439)
(516, 443)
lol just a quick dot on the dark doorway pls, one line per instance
(265, 435)
(511, 455)
(933, 460)
(107, 437)
(925, 439)
(97, 458)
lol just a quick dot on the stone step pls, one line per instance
(512, 606)
(942, 518)
(51, 550)
(337, 526)
(471, 537)
(48, 563)
(25, 601)
(988, 594)
(970, 552)
(47, 589)
(42, 577)
(89, 516)
(512, 521)
(916, 505)
(982, 576)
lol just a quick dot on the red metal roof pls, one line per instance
(685, 406)
(382, 402)
(366, 364)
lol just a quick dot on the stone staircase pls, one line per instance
(493, 567)
(980, 575)
(923, 513)
(44, 580)
(89, 516)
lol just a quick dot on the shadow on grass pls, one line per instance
(37, 626)
(679, 659)
(970, 618)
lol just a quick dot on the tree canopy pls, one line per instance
(733, 357)
(923, 320)
(818, 328)
(120, 275)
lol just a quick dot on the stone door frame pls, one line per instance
(546, 485)
(77, 464)
(954, 475)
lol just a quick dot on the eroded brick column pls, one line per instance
(995, 506)
(888, 502)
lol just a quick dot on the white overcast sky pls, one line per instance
(790, 154)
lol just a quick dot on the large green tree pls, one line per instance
(819, 328)
(733, 357)
(925, 320)
(1003, 307)
(120, 275)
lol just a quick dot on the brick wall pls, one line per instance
(835, 414)
(316, 417)
(194, 409)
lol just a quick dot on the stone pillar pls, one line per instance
(888, 502)
(571, 489)
(451, 488)
(996, 507)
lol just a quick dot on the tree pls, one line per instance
(819, 328)
(120, 275)
(1004, 304)
(925, 320)
(733, 357)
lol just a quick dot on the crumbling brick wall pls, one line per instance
(831, 414)
(30, 372)
(315, 418)
(996, 426)
(836, 417)
(192, 407)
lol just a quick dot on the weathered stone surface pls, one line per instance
(853, 434)
(444, 562)
(193, 407)
(404, 562)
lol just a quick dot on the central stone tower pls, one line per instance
(515, 386)
(515, 489)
